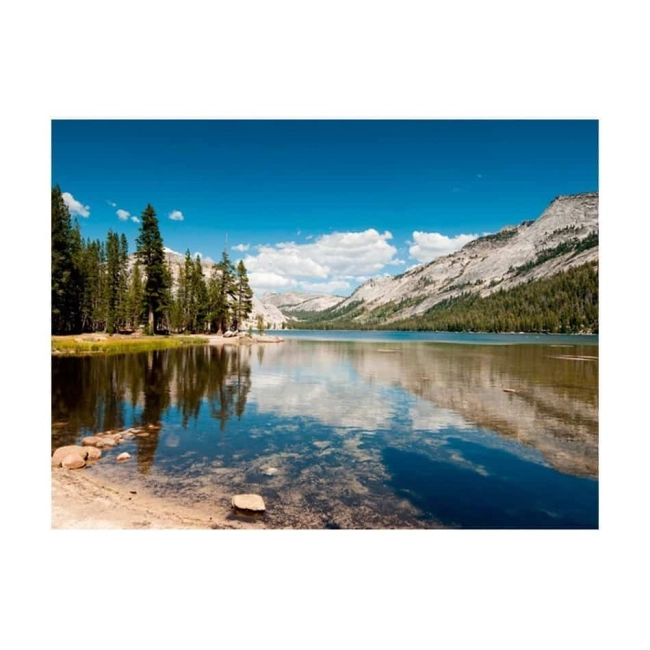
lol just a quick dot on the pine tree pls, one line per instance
(221, 293)
(151, 255)
(63, 272)
(135, 297)
(243, 296)
(200, 292)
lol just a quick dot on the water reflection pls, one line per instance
(356, 434)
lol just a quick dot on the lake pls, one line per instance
(354, 429)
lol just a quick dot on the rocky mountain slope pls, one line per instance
(564, 236)
(294, 301)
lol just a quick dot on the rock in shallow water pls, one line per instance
(91, 441)
(248, 503)
(123, 456)
(93, 453)
(62, 452)
(73, 461)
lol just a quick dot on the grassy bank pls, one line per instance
(99, 344)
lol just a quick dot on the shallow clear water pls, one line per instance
(396, 433)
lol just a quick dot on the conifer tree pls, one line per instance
(151, 255)
(221, 293)
(62, 267)
(243, 296)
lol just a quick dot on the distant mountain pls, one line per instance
(563, 237)
(294, 301)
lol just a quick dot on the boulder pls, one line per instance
(227, 334)
(270, 471)
(73, 461)
(106, 442)
(248, 503)
(93, 453)
(123, 456)
(62, 452)
(91, 441)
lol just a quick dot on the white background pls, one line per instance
(289, 589)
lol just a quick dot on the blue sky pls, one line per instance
(319, 206)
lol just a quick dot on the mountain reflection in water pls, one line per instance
(355, 434)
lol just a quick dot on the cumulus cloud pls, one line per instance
(333, 286)
(327, 261)
(263, 281)
(427, 246)
(176, 215)
(113, 205)
(135, 219)
(123, 215)
(75, 207)
(241, 247)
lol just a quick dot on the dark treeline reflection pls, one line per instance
(92, 394)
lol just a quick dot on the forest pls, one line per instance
(566, 302)
(97, 286)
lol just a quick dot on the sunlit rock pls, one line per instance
(248, 503)
(91, 441)
(123, 456)
(93, 453)
(73, 461)
(62, 452)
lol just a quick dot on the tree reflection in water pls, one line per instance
(113, 392)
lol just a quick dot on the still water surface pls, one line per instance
(389, 433)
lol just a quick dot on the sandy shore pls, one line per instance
(80, 501)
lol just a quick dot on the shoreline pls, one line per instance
(79, 501)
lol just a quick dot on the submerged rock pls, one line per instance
(270, 471)
(123, 456)
(73, 461)
(62, 452)
(248, 503)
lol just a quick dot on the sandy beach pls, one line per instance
(80, 501)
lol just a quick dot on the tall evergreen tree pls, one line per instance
(63, 271)
(151, 255)
(221, 293)
(200, 292)
(135, 297)
(243, 296)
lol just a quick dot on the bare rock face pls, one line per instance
(123, 456)
(62, 452)
(73, 461)
(93, 453)
(248, 503)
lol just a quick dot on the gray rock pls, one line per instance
(248, 503)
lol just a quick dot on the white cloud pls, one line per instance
(123, 215)
(135, 219)
(241, 247)
(74, 207)
(113, 205)
(326, 287)
(176, 215)
(428, 246)
(262, 281)
(330, 260)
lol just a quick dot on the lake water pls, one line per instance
(354, 429)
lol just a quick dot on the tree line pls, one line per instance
(98, 287)
(566, 302)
